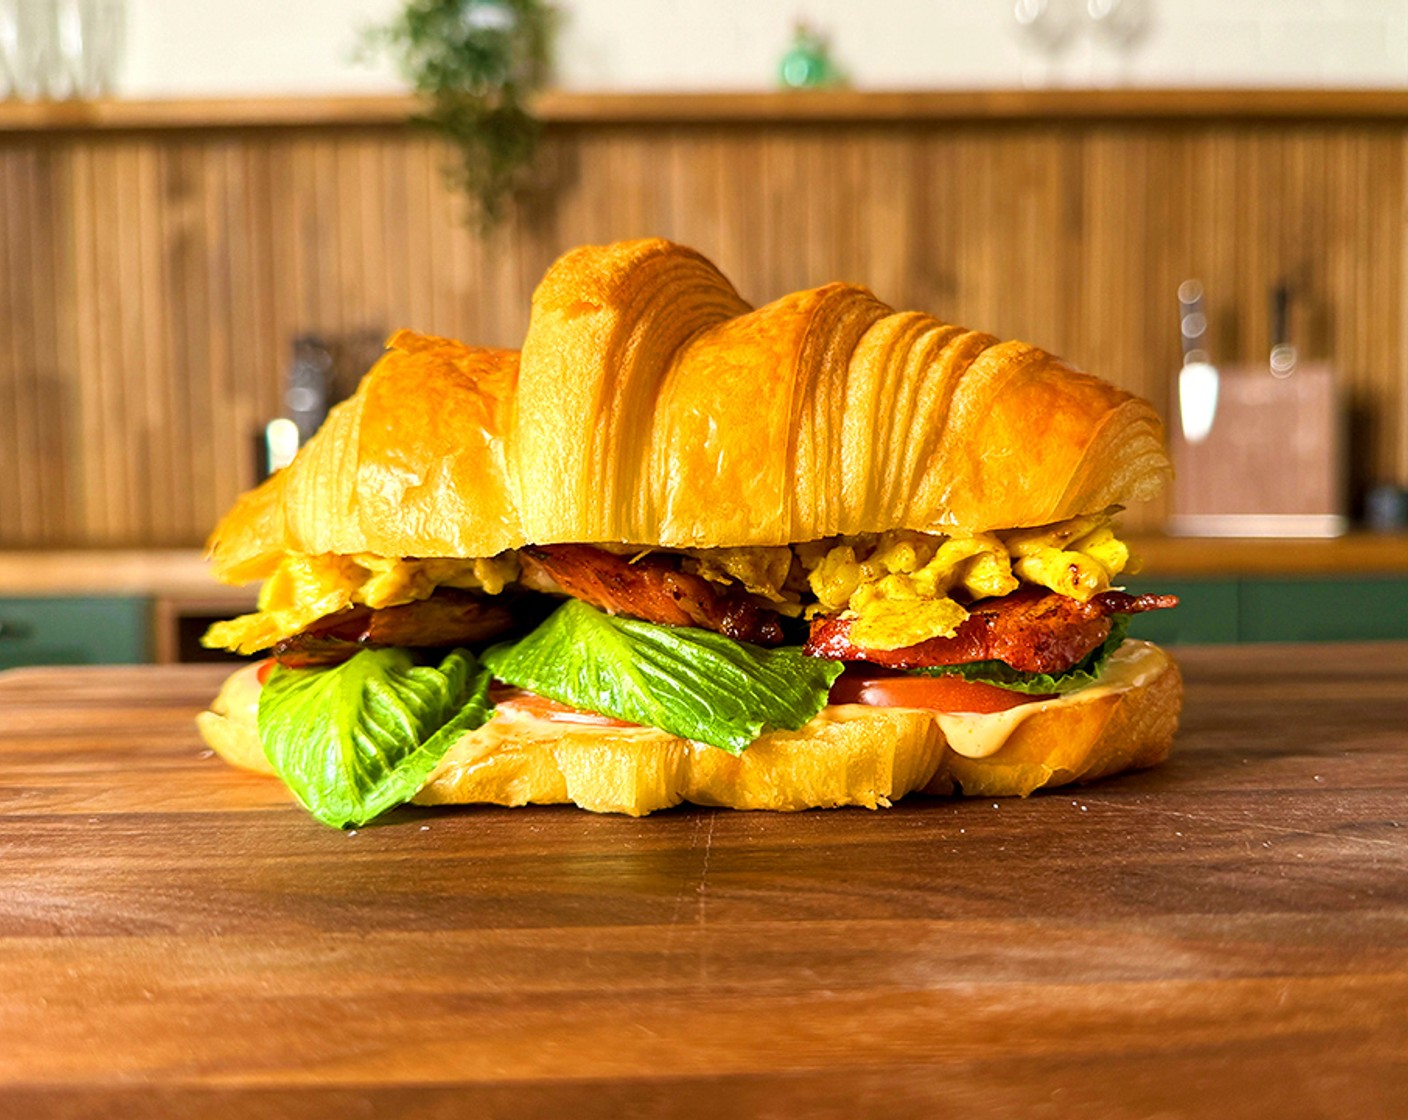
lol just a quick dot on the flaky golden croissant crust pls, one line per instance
(652, 405)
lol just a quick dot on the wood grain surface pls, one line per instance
(162, 273)
(557, 106)
(1226, 936)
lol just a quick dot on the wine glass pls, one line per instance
(1120, 25)
(9, 49)
(1047, 26)
(90, 41)
(28, 48)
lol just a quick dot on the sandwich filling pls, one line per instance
(885, 597)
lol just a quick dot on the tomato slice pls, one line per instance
(944, 694)
(519, 701)
(265, 668)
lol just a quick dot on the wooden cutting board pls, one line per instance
(1226, 936)
(1273, 464)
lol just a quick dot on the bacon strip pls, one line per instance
(1033, 630)
(652, 589)
(447, 618)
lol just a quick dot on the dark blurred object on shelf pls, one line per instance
(325, 370)
(1386, 509)
(308, 385)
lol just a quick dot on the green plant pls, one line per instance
(477, 63)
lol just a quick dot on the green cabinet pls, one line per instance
(1294, 610)
(1282, 609)
(1207, 612)
(98, 630)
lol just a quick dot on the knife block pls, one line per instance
(1273, 464)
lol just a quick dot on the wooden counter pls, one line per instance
(1226, 936)
(1358, 553)
(175, 573)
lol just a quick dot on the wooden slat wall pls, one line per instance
(151, 282)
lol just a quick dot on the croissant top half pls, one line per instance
(652, 405)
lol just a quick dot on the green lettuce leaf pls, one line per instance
(355, 739)
(1039, 684)
(692, 683)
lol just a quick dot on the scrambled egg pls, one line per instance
(306, 588)
(902, 587)
(899, 588)
(1076, 558)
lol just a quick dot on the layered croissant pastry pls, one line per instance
(815, 553)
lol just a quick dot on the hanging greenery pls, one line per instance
(477, 63)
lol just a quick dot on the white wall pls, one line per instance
(215, 47)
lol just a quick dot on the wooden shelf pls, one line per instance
(727, 108)
(977, 105)
(261, 112)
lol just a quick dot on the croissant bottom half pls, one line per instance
(848, 755)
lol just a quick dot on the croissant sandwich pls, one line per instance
(816, 553)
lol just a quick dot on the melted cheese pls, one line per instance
(978, 736)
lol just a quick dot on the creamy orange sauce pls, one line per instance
(978, 736)
(521, 705)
